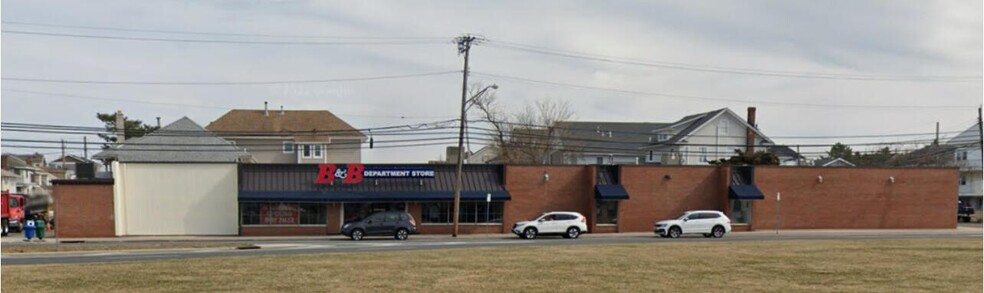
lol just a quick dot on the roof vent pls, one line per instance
(265, 111)
(281, 110)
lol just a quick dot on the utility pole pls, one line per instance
(937, 140)
(980, 128)
(464, 46)
(85, 147)
(63, 154)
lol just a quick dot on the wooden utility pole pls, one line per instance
(980, 128)
(85, 147)
(464, 46)
(63, 155)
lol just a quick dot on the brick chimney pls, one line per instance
(120, 127)
(750, 132)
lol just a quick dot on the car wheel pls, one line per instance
(401, 234)
(572, 233)
(6, 228)
(675, 232)
(529, 233)
(357, 234)
(717, 232)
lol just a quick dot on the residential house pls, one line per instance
(32, 178)
(69, 165)
(603, 143)
(967, 156)
(291, 137)
(10, 180)
(710, 136)
(832, 162)
(693, 140)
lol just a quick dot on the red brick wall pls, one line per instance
(84, 210)
(569, 188)
(856, 198)
(282, 230)
(653, 197)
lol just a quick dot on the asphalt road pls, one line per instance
(341, 245)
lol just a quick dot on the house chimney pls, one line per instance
(265, 112)
(120, 127)
(750, 132)
(158, 121)
(281, 110)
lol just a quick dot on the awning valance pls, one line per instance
(745, 192)
(611, 192)
(355, 196)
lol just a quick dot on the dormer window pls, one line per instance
(662, 137)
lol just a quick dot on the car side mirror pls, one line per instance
(369, 222)
(540, 220)
(685, 219)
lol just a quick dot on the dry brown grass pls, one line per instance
(826, 266)
(35, 247)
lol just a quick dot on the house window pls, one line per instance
(963, 180)
(288, 147)
(607, 212)
(600, 161)
(470, 212)
(962, 156)
(312, 151)
(283, 214)
(306, 151)
(723, 127)
(703, 154)
(662, 137)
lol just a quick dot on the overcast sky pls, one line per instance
(911, 39)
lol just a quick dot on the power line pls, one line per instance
(690, 97)
(74, 96)
(726, 70)
(251, 42)
(220, 34)
(116, 82)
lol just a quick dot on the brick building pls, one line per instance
(311, 199)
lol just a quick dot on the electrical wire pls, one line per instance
(725, 70)
(211, 83)
(249, 42)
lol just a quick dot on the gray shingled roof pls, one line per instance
(606, 137)
(181, 141)
(783, 151)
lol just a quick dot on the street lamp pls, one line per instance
(465, 105)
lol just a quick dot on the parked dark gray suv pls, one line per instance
(398, 224)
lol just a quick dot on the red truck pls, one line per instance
(12, 208)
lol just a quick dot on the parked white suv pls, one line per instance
(710, 223)
(568, 224)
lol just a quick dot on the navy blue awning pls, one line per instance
(610, 192)
(745, 192)
(355, 196)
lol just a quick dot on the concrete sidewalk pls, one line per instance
(16, 239)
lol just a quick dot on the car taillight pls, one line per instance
(583, 220)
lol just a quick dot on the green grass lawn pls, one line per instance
(828, 266)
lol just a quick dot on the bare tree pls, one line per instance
(526, 136)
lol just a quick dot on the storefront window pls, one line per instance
(607, 212)
(357, 211)
(283, 214)
(471, 212)
(741, 211)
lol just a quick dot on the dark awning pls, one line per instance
(745, 192)
(355, 196)
(610, 192)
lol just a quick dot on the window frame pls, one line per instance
(308, 214)
(285, 150)
(474, 209)
(601, 207)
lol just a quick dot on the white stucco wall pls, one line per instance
(176, 199)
